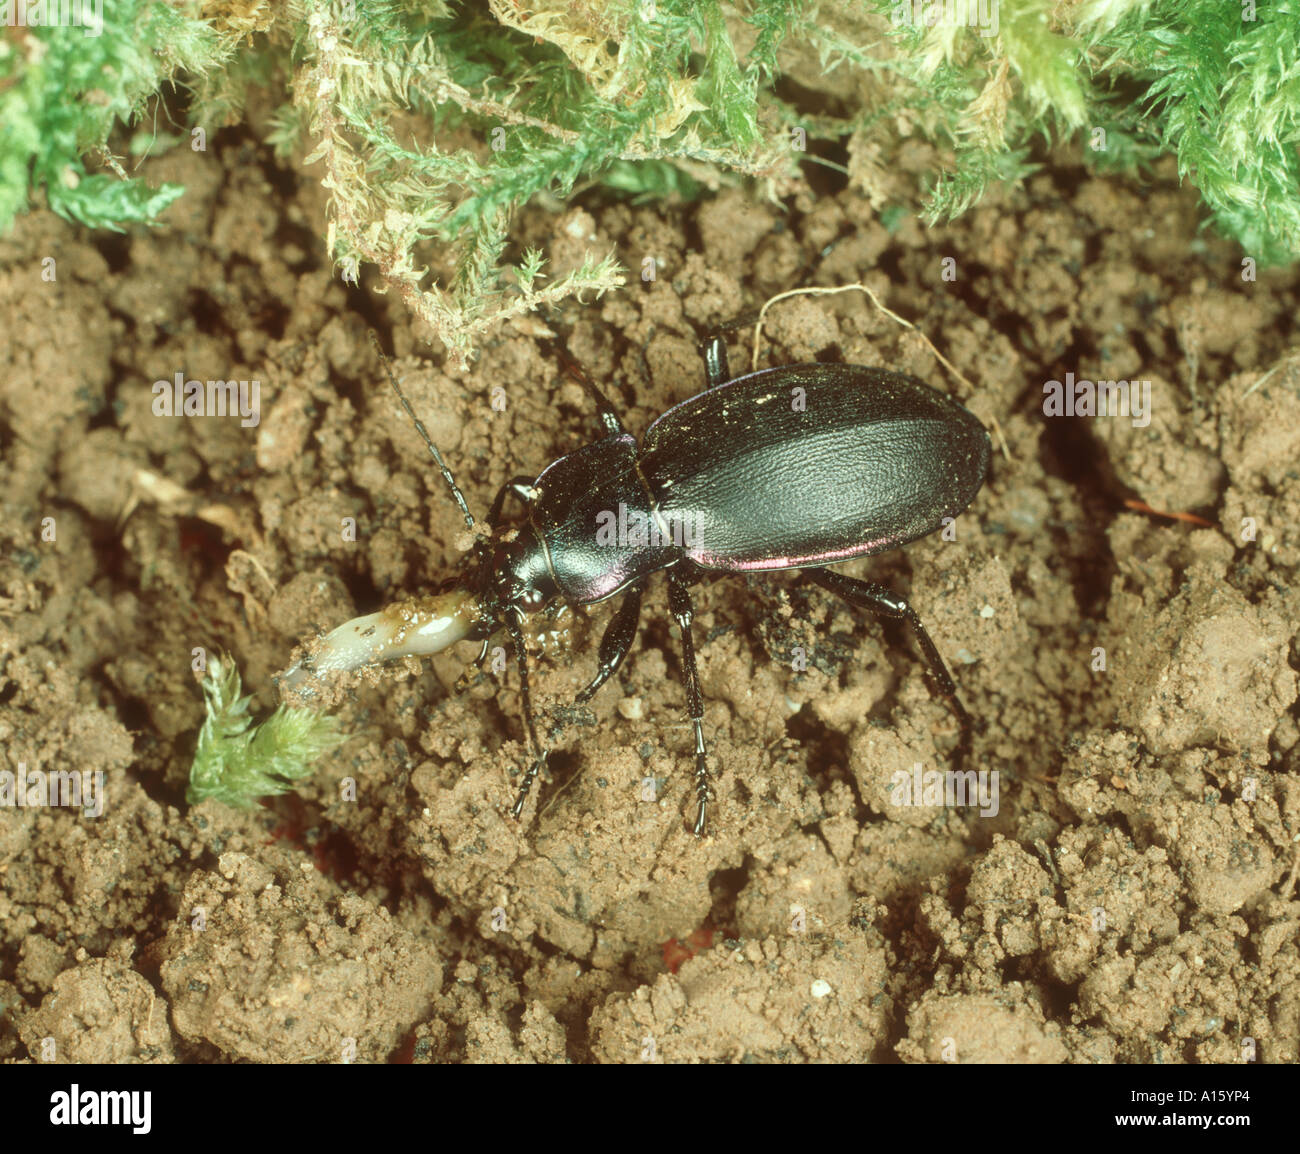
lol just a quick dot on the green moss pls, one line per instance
(236, 762)
(1215, 84)
(430, 123)
(63, 93)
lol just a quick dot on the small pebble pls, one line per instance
(820, 988)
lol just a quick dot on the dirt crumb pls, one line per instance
(100, 1011)
(259, 969)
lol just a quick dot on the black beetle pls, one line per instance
(795, 467)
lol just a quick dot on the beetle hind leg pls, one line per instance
(886, 603)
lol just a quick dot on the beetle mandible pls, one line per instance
(736, 479)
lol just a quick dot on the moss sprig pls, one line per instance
(237, 762)
(1217, 85)
(63, 94)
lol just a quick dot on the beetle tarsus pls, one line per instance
(961, 754)
(526, 787)
(679, 605)
(514, 626)
(703, 795)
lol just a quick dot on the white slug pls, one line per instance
(414, 628)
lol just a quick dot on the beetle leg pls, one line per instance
(462, 682)
(886, 603)
(614, 647)
(514, 626)
(679, 604)
(609, 417)
(515, 487)
(714, 351)
(619, 635)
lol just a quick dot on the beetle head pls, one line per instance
(513, 574)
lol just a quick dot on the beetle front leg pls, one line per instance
(514, 626)
(679, 604)
(470, 671)
(519, 487)
(886, 603)
(614, 647)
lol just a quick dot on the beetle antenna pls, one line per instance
(456, 494)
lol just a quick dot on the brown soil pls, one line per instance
(1133, 899)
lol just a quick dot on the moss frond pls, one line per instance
(63, 93)
(237, 762)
